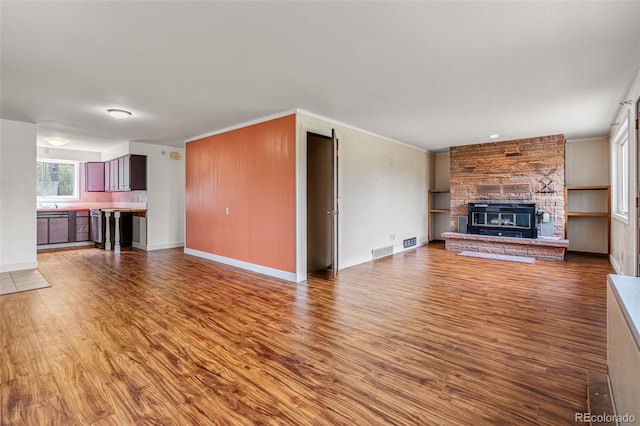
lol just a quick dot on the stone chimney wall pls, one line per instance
(519, 171)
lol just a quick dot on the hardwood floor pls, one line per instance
(419, 338)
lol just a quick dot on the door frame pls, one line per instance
(636, 122)
(301, 193)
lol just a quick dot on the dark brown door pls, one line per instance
(322, 204)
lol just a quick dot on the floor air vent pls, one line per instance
(381, 252)
(409, 242)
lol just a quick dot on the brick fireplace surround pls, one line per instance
(518, 171)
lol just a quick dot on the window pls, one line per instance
(620, 157)
(57, 180)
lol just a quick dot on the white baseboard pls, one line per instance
(289, 276)
(65, 245)
(12, 267)
(615, 265)
(162, 246)
(364, 259)
(138, 246)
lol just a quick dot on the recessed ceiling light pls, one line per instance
(56, 142)
(494, 136)
(118, 113)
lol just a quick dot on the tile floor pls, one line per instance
(14, 282)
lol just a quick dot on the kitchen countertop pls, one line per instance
(63, 209)
(627, 291)
(137, 212)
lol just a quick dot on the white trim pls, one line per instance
(620, 218)
(65, 245)
(618, 165)
(289, 276)
(357, 129)
(241, 125)
(615, 265)
(139, 246)
(160, 246)
(301, 194)
(12, 267)
(298, 111)
(76, 184)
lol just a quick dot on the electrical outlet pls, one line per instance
(226, 210)
(392, 237)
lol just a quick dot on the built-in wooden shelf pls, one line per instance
(586, 214)
(604, 210)
(436, 204)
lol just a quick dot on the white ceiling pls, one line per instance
(430, 74)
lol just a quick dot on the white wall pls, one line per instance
(68, 154)
(624, 253)
(165, 195)
(382, 185)
(443, 170)
(116, 151)
(17, 196)
(587, 162)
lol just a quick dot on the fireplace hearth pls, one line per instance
(503, 220)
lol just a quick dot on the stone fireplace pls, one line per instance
(520, 172)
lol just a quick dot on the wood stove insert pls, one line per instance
(503, 220)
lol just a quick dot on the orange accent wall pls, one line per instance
(252, 171)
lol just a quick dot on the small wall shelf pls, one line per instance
(437, 202)
(588, 201)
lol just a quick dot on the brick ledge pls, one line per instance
(539, 248)
(546, 242)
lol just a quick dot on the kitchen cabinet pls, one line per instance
(59, 230)
(53, 227)
(111, 175)
(95, 175)
(43, 230)
(107, 176)
(127, 173)
(82, 225)
(62, 226)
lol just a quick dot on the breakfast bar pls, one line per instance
(117, 213)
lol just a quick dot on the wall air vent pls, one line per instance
(409, 242)
(381, 252)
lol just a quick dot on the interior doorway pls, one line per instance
(322, 209)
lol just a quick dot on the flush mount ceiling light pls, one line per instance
(56, 142)
(494, 136)
(118, 113)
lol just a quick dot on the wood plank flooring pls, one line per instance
(420, 338)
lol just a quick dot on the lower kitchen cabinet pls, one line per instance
(43, 231)
(82, 225)
(57, 227)
(59, 230)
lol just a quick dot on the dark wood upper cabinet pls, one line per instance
(128, 173)
(95, 177)
(137, 172)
